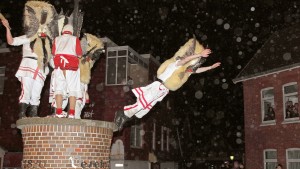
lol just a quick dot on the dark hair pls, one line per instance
(279, 165)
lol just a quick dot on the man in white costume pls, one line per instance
(29, 74)
(149, 95)
(67, 51)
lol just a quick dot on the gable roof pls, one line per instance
(279, 53)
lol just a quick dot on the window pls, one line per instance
(2, 78)
(290, 98)
(267, 105)
(118, 60)
(270, 159)
(293, 158)
(116, 66)
(136, 136)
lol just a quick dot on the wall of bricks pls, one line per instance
(51, 142)
(280, 136)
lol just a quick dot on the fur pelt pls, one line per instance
(38, 50)
(90, 44)
(37, 16)
(93, 41)
(180, 76)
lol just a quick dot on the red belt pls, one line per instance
(66, 62)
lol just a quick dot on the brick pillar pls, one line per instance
(54, 143)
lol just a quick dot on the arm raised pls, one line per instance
(204, 53)
(9, 37)
(204, 69)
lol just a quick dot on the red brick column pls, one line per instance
(54, 143)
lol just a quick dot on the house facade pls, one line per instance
(143, 143)
(271, 102)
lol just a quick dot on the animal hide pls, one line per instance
(43, 55)
(56, 24)
(41, 27)
(37, 16)
(181, 75)
(91, 45)
(85, 72)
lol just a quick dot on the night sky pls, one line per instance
(233, 29)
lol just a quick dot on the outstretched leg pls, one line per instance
(120, 119)
(122, 116)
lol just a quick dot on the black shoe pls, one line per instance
(120, 119)
(23, 108)
(33, 110)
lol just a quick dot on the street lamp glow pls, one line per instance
(231, 157)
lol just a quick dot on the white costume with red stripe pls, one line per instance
(66, 49)
(80, 102)
(149, 95)
(31, 77)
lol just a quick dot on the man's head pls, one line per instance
(68, 28)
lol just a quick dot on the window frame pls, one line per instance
(269, 160)
(292, 160)
(132, 58)
(3, 75)
(284, 101)
(263, 105)
(140, 127)
(117, 50)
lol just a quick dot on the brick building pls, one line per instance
(141, 142)
(271, 93)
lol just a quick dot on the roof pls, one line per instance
(280, 52)
(108, 42)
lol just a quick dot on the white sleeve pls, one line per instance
(17, 41)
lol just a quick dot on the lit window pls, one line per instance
(2, 78)
(293, 158)
(270, 159)
(290, 92)
(136, 136)
(267, 98)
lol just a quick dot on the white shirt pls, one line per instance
(23, 40)
(29, 67)
(65, 44)
(171, 68)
